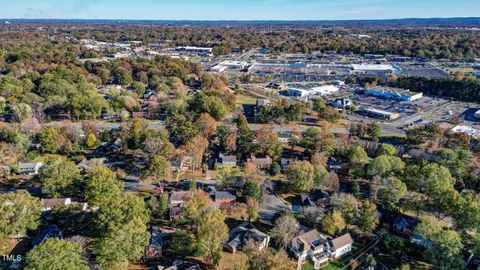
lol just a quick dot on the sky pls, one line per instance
(238, 9)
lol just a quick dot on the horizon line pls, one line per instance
(237, 20)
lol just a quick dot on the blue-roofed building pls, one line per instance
(49, 232)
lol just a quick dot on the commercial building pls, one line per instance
(393, 93)
(380, 114)
(371, 69)
(315, 91)
(194, 49)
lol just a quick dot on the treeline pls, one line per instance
(445, 44)
(463, 89)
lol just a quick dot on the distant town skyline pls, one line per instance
(238, 10)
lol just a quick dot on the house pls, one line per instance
(50, 232)
(246, 236)
(222, 197)
(284, 137)
(179, 265)
(154, 249)
(227, 160)
(320, 248)
(29, 168)
(316, 198)
(177, 198)
(262, 163)
(405, 225)
(285, 162)
(49, 204)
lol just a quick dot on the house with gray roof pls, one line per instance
(246, 236)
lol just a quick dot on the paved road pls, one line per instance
(271, 204)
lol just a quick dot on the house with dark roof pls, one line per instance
(246, 236)
(316, 198)
(49, 232)
(29, 168)
(320, 248)
(154, 249)
(227, 160)
(405, 225)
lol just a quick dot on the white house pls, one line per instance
(320, 248)
(29, 168)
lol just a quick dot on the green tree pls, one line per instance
(394, 190)
(183, 244)
(196, 203)
(333, 223)
(122, 245)
(19, 212)
(102, 185)
(319, 140)
(252, 190)
(58, 177)
(374, 130)
(301, 175)
(387, 149)
(350, 209)
(446, 250)
(252, 209)
(212, 232)
(91, 140)
(367, 218)
(267, 144)
(50, 139)
(56, 254)
(159, 167)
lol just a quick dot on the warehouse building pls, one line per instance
(379, 114)
(393, 93)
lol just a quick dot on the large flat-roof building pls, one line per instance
(393, 93)
(380, 114)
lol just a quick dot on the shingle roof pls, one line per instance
(342, 241)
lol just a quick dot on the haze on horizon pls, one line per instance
(238, 10)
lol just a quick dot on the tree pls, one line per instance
(319, 140)
(350, 208)
(286, 227)
(367, 218)
(392, 193)
(181, 129)
(229, 142)
(267, 144)
(196, 203)
(374, 130)
(252, 209)
(467, 212)
(358, 159)
(384, 165)
(56, 254)
(50, 140)
(123, 76)
(333, 223)
(394, 244)
(183, 244)
(212, 232)
(387, 149)
(118, 212)
(159, 167)
(446, 250)
(244, 136)
(252, 190)
(269, 260)
(207, 126)
(122, 245)
(91, 140)
(101, 186)
(58, 177)
(301, 175)
(70, 218)
(19, 212)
